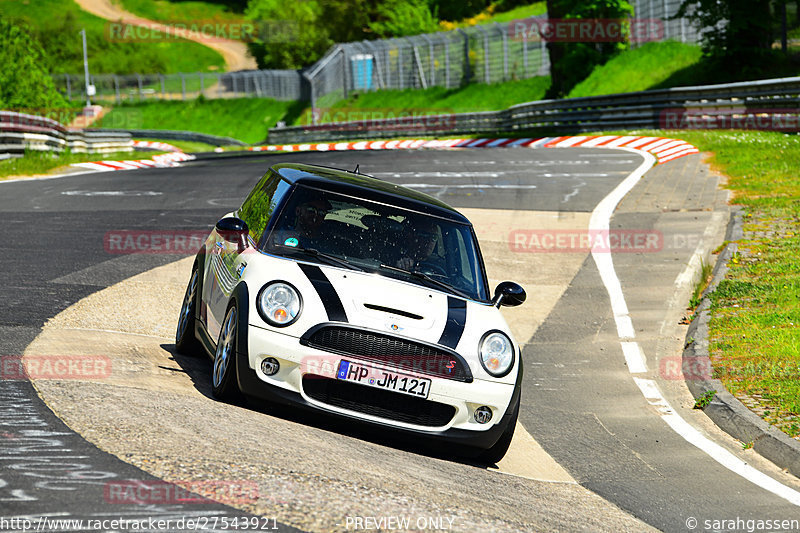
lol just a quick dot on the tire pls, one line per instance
(185, 340)
(223, 378)
(498, 450)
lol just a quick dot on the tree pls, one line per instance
(457, 9)
(398, 18)
(571, 62)
(24, 80)
(736, 33)
(299, 32)
(302, 38)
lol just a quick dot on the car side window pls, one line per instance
(261, 203)
(465, 269)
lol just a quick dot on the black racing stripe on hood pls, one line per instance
(456, 321)
(330, 299)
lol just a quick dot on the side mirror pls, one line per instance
(509, 294)
(233, 230)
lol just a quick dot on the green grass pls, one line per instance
(191, 12)
(755, 327)
(659, 65)
(57, 23)
(490, 15)
(755, 311)
(245, 119)
(520, 12)
(639, 69)
(436, 100)
(36, 163)
(701, 283)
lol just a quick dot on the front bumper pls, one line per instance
(297, 361)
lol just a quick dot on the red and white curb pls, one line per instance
(155, 145)
(171, 159)
(665, 149)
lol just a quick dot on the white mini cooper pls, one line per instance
(345, 294)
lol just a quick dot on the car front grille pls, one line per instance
(389, 350)
(377, 402)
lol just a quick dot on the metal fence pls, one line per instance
(276, 84)
(755, 105)
(682, 29)
(20, 132)
(481, 54)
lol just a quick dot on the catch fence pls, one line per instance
(275, 84)
(486, 53)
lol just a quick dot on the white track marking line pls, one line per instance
(600, 219)
(634, 357)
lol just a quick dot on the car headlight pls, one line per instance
(279, 304)
(497, 353)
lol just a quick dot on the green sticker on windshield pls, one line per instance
(291, 241)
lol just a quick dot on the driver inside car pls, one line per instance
(419, 241)
(306, 230)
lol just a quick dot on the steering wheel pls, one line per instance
(431, 269)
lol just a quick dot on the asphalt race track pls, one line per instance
(580, 401)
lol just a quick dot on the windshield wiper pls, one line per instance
(420, 275)
(332, 258)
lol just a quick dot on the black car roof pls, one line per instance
(367, 187)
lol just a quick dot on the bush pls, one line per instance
(398, 18)
(313, 26)
(24, 80)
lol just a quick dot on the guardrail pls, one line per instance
(761, 105)
(276, 84)
(20, 132)
(175, 135)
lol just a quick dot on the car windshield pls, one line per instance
(339, 230)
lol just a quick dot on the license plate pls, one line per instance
(383, 379)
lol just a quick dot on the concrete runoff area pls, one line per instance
(121, 414)
(580, 404)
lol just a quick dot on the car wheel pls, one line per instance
(185, 340)
(223, 378)
(499, 449)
